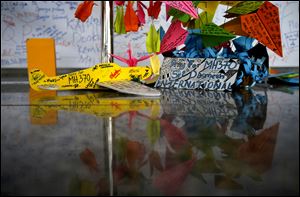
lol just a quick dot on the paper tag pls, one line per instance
(130, 87)
(198, 73)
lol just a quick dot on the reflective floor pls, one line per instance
(183, 143)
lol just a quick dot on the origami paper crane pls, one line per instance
(84, 10)
(131, 61)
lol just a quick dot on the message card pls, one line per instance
(198, 73)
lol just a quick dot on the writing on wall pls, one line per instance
(77, 44)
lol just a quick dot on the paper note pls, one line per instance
(198, 73)
(130, 19)
(174, 37)
(130, 87)
(185, 6)
(214, 35)
(87, 78)
(153, 40)
(264, 26)
(245, 7)
(119, 21)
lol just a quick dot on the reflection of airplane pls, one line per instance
(93, 104)
(108, 75)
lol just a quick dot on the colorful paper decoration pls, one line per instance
(264, 26)
(209, 8)
(153, 40)
(131, 61)
(185, 6)
(119, 24)
(229, 3)
(177, 14)
(234, 26)
(155, 64)
(130, 19)
(154, 9)
(84, 10)
(245, 7)
(214, 35)
(174, 37)
(140, 13)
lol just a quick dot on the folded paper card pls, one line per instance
(198, 73)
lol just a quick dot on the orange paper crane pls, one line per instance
(263, 25)
(84, 10)
(131, 20)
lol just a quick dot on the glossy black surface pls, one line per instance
(183, 143)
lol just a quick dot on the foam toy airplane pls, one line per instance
(109, 75)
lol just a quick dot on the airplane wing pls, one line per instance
(130, 87)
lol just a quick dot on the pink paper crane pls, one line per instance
(132, 61)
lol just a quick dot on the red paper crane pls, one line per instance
(131, 61)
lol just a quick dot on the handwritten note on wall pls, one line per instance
(77, 44)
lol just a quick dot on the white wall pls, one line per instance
(78, 44)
